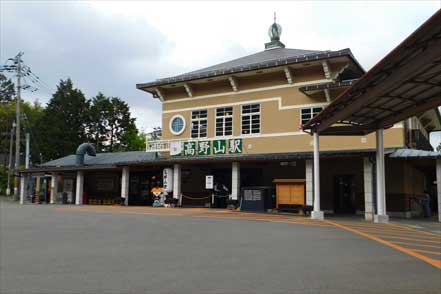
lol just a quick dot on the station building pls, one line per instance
(240, 123)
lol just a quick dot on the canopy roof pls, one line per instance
(141, 158)
(405, 83)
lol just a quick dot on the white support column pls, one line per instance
(177, 183)
(188, 89)
(23, 183)
(381, 216)
(309, 181)
(327, 95)
(368, 203)
(289, 75)
(159, 94)
(326, 69)
(316, 213)
(235, 181)
(79, 190)
(125, 184)
(233, 83)
(54, 188)
(438, 186)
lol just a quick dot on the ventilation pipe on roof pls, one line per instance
(82, 150)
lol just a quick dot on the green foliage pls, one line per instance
(438, 148)
(110, 124)
(7, 89)
(32, 112)
(63, 125)
(133, 140)
(70, 119)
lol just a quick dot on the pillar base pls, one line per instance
(368, 216)
(318, 215)
(381, 219)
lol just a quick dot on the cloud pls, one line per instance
(111, 46)
(97, 51)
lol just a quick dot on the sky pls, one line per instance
(110, 46)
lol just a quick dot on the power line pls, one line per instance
(32, 81)
(21, 70)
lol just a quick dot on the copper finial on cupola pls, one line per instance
(274, 32)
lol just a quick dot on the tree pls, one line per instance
(438, 148)
(110, 124)
(96, 121)
(7, 89)
(31, 114)
(133, 140)
(63, 126)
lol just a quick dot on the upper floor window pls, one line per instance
(308, 113)
(224, 121)
(177, 124)
(199, 124)
(250, 119)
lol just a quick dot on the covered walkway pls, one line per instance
(405, 83)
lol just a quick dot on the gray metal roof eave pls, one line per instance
(405, 153)
(67, 168)
(329, 85)
(251, 67)
(226, 158)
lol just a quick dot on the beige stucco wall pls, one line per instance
(280, 123)
(280, 105)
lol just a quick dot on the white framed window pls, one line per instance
(307, 113)
(224, 121)
(177, 124)
(250, 117)
(199, 124)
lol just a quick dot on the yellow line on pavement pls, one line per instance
(385, 230)
(407, 238)
(266, 220)
(365, 224)
(417, 230)
(119, 211)
(400, 233)
(434, 262)
(427, 251)
(390, 226)
(416, 244)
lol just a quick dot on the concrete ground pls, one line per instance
(89, 249)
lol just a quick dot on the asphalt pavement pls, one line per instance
(60, 249)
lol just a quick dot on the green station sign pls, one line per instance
(215, 147)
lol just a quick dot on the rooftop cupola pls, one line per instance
(274, 32)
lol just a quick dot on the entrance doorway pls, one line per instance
(344, 196)
(141, 184)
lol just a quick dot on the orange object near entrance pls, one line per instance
(290, 192)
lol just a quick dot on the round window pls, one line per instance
(177, 124)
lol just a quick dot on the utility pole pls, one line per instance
(28, 140)
(22, 71)
(11, 143)
(17, 119)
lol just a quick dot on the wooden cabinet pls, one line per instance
(290, 192)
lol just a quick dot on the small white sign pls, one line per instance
(209, 182)
(167, 180)
(175, 148)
